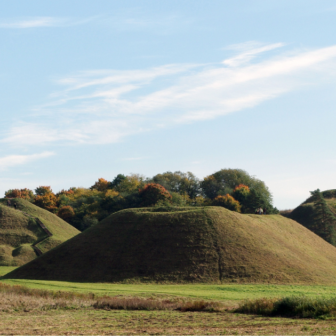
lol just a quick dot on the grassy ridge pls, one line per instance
(210, 245)
(18, 231)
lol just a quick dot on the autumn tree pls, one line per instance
(66, 212)
(227, 202)
(25, 193)
(46, 199)
(153, 193)
(101, 185)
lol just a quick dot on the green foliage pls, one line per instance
(226, 181)
(104, 198)
(293, 306)
(178, 182)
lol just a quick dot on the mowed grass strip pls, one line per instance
(230, 293)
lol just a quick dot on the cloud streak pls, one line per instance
(39, 22)
(17, 160)
(105, 106)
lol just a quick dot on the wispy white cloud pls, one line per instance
(248, 53)
(38, 22)
(106, 106)
(17, 160)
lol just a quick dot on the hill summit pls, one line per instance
(208, 244)
(29, 231)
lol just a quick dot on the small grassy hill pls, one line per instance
(304, 213)
(22, 236)
(208, 244)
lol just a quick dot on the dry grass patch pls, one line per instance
(21, 298)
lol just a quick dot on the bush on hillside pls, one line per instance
(227, 202)
(25, 193)
(153, 193)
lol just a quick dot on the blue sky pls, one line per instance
(91, 89)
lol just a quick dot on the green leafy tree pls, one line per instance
(228, 179)
(178, 182)
(117, 180)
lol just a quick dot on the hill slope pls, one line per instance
(29, 231)
(208, 244)
(304, 213)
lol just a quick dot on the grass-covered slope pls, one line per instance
(304, 213)
(20, 232)
(208, 244)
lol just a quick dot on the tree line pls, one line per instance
(233, 189)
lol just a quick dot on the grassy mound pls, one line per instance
(208, 244)
(22, 236)
(304, 213)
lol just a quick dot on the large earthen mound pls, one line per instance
(29, 231)
(209, 244)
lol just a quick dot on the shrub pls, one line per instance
(293, 306)
(200, 306)
(153, 193)
(25, 193)
(227, 202)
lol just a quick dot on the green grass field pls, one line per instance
(229, 292)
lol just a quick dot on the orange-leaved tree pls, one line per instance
(66, 212)
(227, 202)
(46, 199)
(153, 193)
(25, 193)
(101, 185)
